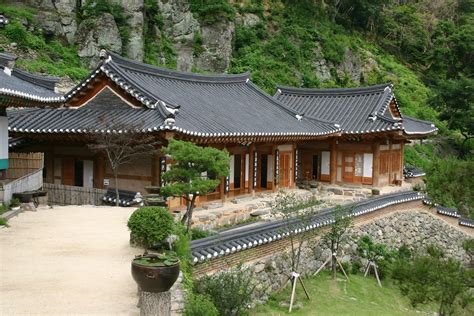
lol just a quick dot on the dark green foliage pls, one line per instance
(454, 100)
(196, 171)
(150, 226)
(197, 233)
(212, 11)
(230, 291)
(450, 183)
(14, 202)
(199, 305)
(433, 278)
(366, 248)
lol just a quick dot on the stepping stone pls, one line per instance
(250, 207)
(212, 206)
(260, 212)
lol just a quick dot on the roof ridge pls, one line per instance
(176, 74)
(332, 91)
(47, 82)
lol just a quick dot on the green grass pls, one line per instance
(359, 296)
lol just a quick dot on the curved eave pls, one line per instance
(15, 97)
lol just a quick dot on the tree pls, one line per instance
(196, 171)
(431, 277)
(296, 217)
(122, 144)
(337, 234)
(454, 100)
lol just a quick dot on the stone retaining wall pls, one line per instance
(409, 223)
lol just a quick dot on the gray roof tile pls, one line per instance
(356, 110)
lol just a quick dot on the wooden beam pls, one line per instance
(333, 162)
(376, 163)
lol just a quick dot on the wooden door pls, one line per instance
(285, 169)
(67, 172)
(348, 164)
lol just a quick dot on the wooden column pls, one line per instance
(49, 165)
(376, 163)
(274, 184)
(251, 162)
(293, 167)
(333, 162)
(390, 171)
(155, 170)
(402, 150)
(100, 171)
(223, 195)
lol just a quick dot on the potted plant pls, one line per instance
(152, 228)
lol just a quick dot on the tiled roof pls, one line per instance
(82, 120)
(193, 104)
(23, 85)
(244, 238)
(356, 110)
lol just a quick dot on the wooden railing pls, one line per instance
(59, 194)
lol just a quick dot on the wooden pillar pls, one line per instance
(275, 184)
(333, 162)
(376, 163)
(293, 167)
(251, 167)
(100, 172)
(390, 157)
(402, 151)
(49, 165)
(155, 169)
(223, 195)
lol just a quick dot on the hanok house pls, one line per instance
(373, 133)
(272, 142)
(21, 89)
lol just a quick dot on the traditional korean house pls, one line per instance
(272, 142)
(373, 134)
(21, 89)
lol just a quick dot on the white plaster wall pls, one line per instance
(270, 164)
(368, 163)
(3, 137)
(285, 147)
(247, 157)
(325, 162)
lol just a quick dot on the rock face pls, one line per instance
(134, 10)
(96, 34)
(217, 45)
(181, 27)
(414, 229)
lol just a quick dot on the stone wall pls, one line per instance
(411, 224)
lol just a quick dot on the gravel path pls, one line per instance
(67, 260)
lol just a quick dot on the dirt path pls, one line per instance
(67, 260)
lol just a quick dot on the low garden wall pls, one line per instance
(410, 224)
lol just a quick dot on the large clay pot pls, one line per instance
(154, 279)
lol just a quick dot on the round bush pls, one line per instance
(150, 225)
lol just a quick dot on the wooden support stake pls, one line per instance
(367, 269)
(376, 274)
(295, 277)
(304, 288)
(340, 265)
(323, 265)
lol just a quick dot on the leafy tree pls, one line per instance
(449, 183)
(337, 234)
(196, 171)
(296, 216)
(454, 100)
(433, 278)
(121, 144)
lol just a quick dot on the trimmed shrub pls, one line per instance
(150, 226)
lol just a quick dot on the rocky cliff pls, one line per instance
(172, 34)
